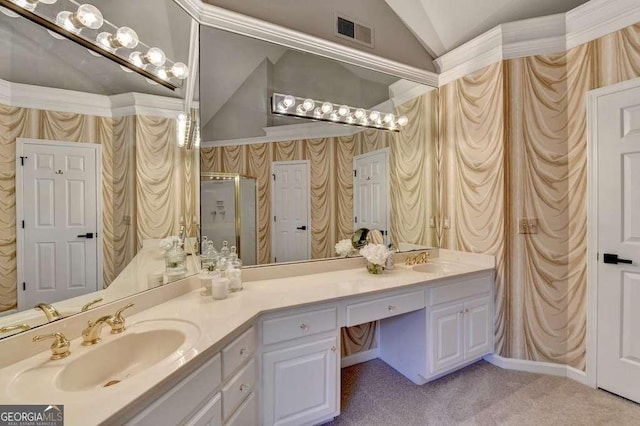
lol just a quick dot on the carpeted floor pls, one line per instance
(375, 394)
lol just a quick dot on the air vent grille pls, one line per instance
(354, 31)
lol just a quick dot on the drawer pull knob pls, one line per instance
(243, 352)
(333, 349)
(304, 327)
(391, 308)
(243, 388)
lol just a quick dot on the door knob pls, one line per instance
(302, 228)
(88, 235)
(614, 259)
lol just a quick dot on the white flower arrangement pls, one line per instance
(167, 243)
(376, 253)
(344, 248)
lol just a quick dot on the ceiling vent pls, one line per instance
(353, 30)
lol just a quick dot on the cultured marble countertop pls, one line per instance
(217, 320)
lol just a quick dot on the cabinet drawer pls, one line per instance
(182, 400)
(360, 313)
(299, 325)
(247, 414)
(459, 291)
(238, 388)
(209, 415)
(237, 352)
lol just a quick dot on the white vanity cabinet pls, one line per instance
(300, 367)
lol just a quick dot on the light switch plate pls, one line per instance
(527, 226)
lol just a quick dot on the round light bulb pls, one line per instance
(30, 6)
(349, 119)
(156, 56)
(318, 112)
(388, 118)
(300, 109)
(374, 115)
(179, 70)
(137, 59)
(289, 101)
(89, 16)
(343, 110)
(126, 37)
(327, 107)
(333, 116)
(162, 73)
(403, 121)
(360, 113)
(308, 104)
(281, 107)
(64, 20)
(104, 40)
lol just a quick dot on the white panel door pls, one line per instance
(59, 209)
(477, 328)
(370, 192)
(301, 384)
(291, 211)
(447, 333)
(618, 361)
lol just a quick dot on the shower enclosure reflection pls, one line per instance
(228, 212)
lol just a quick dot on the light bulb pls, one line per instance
(89, 16)
(300, 109)
(388, 118)
(374, 115)
(55, 35)
(308, 104)
(289, 101)
(343, 110)
(333, 116)
(25, 4)
(326, 108)
(64, 20)
(125, 69)
(104, 40)
(136, 59)
(403, 121)
(162, 73)
(179, 70)
(317, 112)
(126, 37)
(349, 119)
(156, 56)
(360, 113)
(281, 107)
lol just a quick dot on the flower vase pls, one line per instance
(372, 268)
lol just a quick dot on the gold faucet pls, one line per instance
(10, 328)
(59, 347)
(417, 259)
(86, 307)
(50, 312)
(91, 334)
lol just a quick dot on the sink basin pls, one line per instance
(145, 346)
(117, 360)
(433, 268)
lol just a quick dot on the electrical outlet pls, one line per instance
(527, 226)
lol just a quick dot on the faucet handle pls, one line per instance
(60, 346)
(86, 306)
(10, 328)
(117, 321)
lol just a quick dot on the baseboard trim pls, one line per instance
(538, 367)
(359, 358)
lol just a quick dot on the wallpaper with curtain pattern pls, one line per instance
(142, 174)
(513, 145)
(412, 170)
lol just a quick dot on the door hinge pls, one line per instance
(355, 173)
(356, 219)
(274, 218)
(275, 260)
(598, 256)
(274, 176)
(23, 224)
(24, 286)
(22, 160)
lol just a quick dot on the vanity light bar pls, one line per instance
(120, 44)
(293, 106)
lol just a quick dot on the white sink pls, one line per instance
(438, 267)
(144, 346)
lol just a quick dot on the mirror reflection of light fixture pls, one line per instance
(293, 106)
(114, 42)
(188, 130)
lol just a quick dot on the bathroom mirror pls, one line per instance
(317, 182)
(89, 162)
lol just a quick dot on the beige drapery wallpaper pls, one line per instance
(412, 169)
(139, 192)
(513, 145)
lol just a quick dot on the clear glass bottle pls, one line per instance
(175, 260)
(224, 251)
(234, 273)
(209, 257)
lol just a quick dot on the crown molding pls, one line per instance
(227, 20)
(538, 36)
(51, 99)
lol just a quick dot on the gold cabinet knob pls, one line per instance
(59, 347)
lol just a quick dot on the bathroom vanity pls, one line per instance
(270, 354)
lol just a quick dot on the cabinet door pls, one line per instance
(477, 328)
(209, 415)
(447, 330)
(301, 383)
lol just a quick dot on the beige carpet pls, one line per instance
(375, 394)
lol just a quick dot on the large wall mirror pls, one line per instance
(103, 179)
(313, 182)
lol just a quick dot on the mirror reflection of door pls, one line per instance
(58, 188)
(371, 192)
(291, 210)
